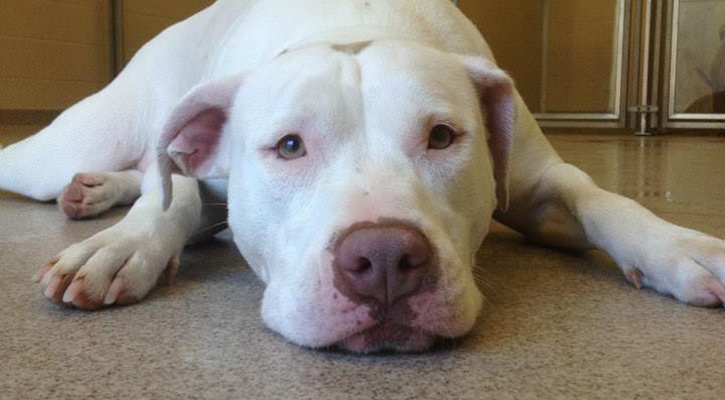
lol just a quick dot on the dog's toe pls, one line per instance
(78, 296)
(109, 268)
(691, 269)
(90, 180)
(87, 195)
(120, 293)
(43, 271)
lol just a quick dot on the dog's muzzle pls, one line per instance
(383, 265)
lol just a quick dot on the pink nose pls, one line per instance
(385, 262)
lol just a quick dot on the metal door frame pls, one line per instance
(617, 119)
(669, 118)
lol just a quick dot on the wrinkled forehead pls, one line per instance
(418, 79)
(368, 76)
(411, 66)
(302, 77)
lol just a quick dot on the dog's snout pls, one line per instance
(384, 262)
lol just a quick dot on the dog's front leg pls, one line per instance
(121, 264)
(566, 209)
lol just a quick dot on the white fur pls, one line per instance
(270, 66)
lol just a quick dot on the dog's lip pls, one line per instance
(387, 335)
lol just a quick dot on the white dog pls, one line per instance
(364, 146)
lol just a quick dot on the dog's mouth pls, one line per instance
(388, 335)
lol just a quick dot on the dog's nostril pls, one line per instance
(363, 264)
(408, 263)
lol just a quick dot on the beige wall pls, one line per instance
(56, 52)
(53, 53)
(513, 30)
(144, 19)
(578, 57)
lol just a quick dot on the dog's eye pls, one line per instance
(441, 137)
(291, 147)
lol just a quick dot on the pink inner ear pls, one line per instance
(194, 145)
(499, 114)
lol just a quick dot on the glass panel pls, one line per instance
(581, 57)
(699, 73)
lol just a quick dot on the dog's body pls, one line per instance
(364, 146)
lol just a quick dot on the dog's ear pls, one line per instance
(190, 138)
(497, 100)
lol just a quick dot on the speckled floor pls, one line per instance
(557, 325)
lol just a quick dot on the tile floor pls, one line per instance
(557, 325)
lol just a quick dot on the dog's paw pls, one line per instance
(685, 264)
(112, 267)
(88, 195)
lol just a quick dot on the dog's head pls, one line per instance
(362, 180)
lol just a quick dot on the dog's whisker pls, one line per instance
(212, 227)
(481, 279)
(486, 300)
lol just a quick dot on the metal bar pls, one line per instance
(667, 68)
(544, 57)
(111, 41)
(636, 24)
(673, 57)
(685, 116)
(644, 93)
(656, 70)
(614, 124)
(696, 125)
(619, 56)
(577, 116)
(117, 38)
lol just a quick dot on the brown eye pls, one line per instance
(291, 147)
(441, 137)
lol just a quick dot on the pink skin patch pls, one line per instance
(76, 296)
(145, 162)
(718, 290)
(339, 316)
(426, 307)
(714, 295)
(635, 277)
(196, 142)
(440, 313)
(74, 201)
